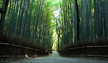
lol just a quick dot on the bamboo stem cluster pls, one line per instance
(89, 23)
(30, 19)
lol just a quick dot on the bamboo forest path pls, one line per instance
(56, 58)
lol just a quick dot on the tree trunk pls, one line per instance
(77, 10)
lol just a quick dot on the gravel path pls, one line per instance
(56, 58)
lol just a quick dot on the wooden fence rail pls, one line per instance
(7, 49)
(86, 47)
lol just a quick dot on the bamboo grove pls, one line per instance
(83, 20)
(79, 20)
(30, 19)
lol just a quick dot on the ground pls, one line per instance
(56, 58)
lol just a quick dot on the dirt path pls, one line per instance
(56, 58)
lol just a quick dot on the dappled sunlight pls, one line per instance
(54, 47)
(56, 13)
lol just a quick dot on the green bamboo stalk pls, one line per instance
(91, 23)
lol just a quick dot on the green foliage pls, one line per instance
(1, 1)
(35, 20)
(93, 20)
(30, 19)
(0, 16)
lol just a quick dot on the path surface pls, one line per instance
(56, 58)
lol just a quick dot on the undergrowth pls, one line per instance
(17, 40)
(100, 42)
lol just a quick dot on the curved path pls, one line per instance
(56, 58)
